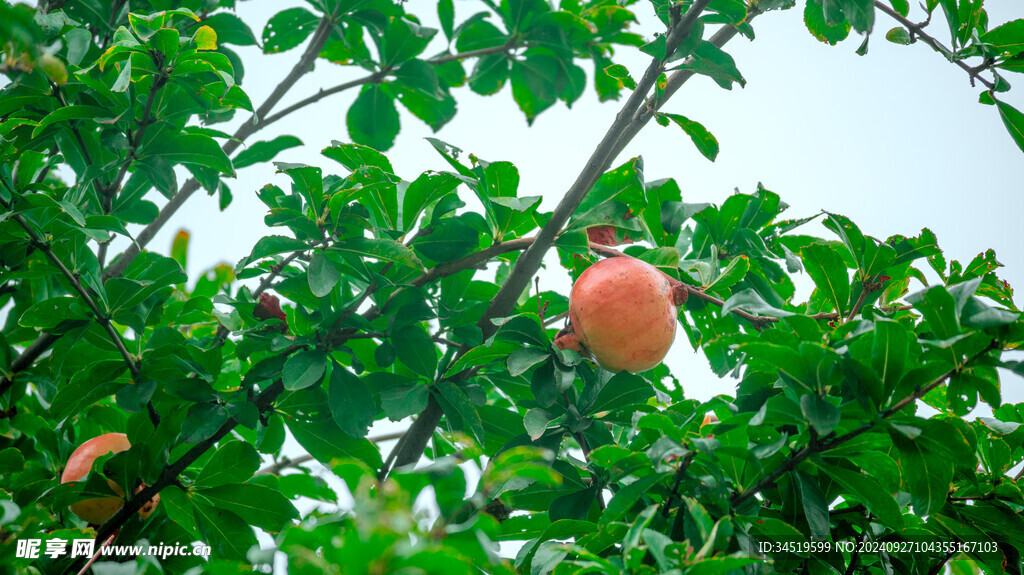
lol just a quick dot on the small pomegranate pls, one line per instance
(622, 312)
(99, 509)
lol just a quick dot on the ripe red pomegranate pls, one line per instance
(99, 509)
(623, 313)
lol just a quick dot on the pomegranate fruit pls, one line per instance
(99, 509)
(622, 312)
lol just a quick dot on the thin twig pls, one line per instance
(77, 285)
(303, 66)
(675, 81)
(918, 30)
(171, 472)
(805, 452)
(286, 462)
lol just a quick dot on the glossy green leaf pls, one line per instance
(233, 462)
(260, 152)
(257, 505)
(287, 29)
(373, 119)
(828, 271)
(351, 403)
(706, 143)
(303, 369)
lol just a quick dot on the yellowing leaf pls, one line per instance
(205, 38)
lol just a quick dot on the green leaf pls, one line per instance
(1007, 37)
(751, 301)
(416, 350)
(424, 191)
(483, 355)
(820, 28)
(712, 62)
(260, 152)
(401, 401)
(304, 369)
(926, 475)
(373, 119)
(48, 314)
(271, 245)
(325, 441)
(860, 14)
(868, 491)
(828, 271)
(489, 74)
(627, 497)
(11, 461)
(124, 78)
(460, 410)
(233, 462)
(821, 413)
(815, 509)
(535, 84)
(706, 143)
(381, 249)
(228, 534)
(899, 35)
(287, 29)
(203, 420)
(355, 156)
(404, 40)
(521, 360)
(351, 403)
(191, 149)
(1013, 119)
(889, 352)
(322, 275)
(231, 29)
(257, 505)
(622, 390)
(939, 308)
(68, 113)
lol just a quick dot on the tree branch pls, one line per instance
(286, 462)
(171, 472)
(410, 448)
(675, 81)
(528, 263)
(26, 358)
(248, 128)
(119, 265)
(83, 293)
(918, 30)
(819, 447)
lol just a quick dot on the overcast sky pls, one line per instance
(895, 140)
